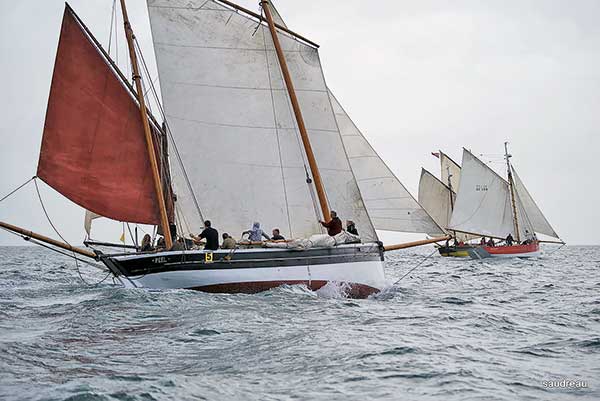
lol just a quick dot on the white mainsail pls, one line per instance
(390, 205)
(434, 196)
(449, 168)
(231, 118)
(483, 204)
(535, 217)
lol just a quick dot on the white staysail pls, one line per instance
(87, 222)
(231, 118)
(483, 204)
(434, 196)
(390, 205)
(536, 218)
(449, 168)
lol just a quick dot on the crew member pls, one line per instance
(334, 226)
(146, 244)
(277, 235)
(255, 233)
(351, 227)
(228, 242)
(210, 235)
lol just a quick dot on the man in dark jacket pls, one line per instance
(210, 235)
(334, 226)
(277, 235)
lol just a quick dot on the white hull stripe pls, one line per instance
(368, 273)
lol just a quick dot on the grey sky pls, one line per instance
(415, 76)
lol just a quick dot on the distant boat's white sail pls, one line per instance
(536, 218)
(390, 205)
(434, 196)
(449, 168)
(232, 121)
(483, 204)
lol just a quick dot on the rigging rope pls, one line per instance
(67, 255)
(110, 30)
(16, 189)
(37, 189)
(417, 265)
(556, 250)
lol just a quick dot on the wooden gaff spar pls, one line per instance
(269, 175)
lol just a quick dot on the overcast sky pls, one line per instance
(415, 76)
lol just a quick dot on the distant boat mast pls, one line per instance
(507, 156)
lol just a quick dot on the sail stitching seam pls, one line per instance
(287, 207)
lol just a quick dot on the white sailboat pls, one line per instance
(437, 196)
(491, 206)
(257, 136)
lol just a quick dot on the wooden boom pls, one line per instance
(415, 243)
(48, 240)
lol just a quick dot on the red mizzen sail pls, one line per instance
(93, 147)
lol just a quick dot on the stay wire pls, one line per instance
(556, 250)
(417, 265)
(112, 19)
(19, 187)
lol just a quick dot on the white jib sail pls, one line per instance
(449, 168)
(390, 205)
(229, 111)
(483, 204)
(536, 218)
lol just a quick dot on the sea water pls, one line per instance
(453, 329)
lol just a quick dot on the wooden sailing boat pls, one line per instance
(257, 136)
(488, 205)
(437, 196)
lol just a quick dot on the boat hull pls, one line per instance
(514, 251)
(356, 269)
(455, 251)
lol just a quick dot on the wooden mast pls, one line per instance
(450, 191)
(298, 114)
(512, 192)
(450, 188)
(137, 79)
